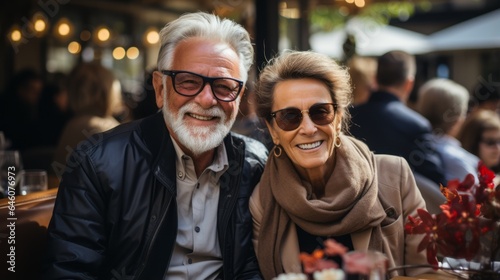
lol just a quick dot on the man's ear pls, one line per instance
(409, 84)
(158, 86)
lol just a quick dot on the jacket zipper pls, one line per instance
(148, 252)
(227, 214)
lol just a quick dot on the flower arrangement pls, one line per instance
(318, 266)
(468, 226)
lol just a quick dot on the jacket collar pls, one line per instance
(383, 96)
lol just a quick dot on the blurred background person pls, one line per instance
(485, 95)
(54, 109)
(444, 103)
(388, 126)
(362, 71)
(19, 115)
(94, 96)
(54, 113)
(480, 135)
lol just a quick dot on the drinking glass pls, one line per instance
(32, 181)
(3, 143)
(10, 166)
(365, 265)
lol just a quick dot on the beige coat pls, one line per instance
(397, 187)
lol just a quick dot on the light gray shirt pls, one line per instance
(457, 161)
(197, 254)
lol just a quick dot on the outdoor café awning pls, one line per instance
(372, 39)
(482, 32)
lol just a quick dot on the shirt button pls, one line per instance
(197, 229)
(180, 174)
(190, 261)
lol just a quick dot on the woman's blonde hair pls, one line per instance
(90, 90)
(304, 64)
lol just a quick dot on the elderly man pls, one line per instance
(166, 197)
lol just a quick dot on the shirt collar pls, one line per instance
(219, 165)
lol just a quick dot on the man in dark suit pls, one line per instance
(388, 126)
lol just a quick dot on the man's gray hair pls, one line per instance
(209, 26)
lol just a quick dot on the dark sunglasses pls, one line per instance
(491, 142)
(290, 119)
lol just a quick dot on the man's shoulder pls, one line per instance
(113, 141)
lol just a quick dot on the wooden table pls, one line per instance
(440, 276)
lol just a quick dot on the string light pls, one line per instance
(152, 36)
(132, 53)
(40, 25)
(15, 35)
(74, 47)
(359, 3)
(103, 34)
(118, 53)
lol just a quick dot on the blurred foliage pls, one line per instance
(327, 18)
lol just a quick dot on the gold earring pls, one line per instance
(277, 151)
(337, 142)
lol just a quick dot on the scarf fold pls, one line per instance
(350, 203)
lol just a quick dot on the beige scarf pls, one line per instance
(350, 203)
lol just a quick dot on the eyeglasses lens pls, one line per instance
(190, 84)
(290, 118)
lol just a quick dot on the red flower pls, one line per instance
(315, 262)
(469, 212)
(333, 248)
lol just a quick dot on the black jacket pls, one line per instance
(115, 216)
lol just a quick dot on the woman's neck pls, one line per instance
(318, 177)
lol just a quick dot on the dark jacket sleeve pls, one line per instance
(426, 160)
(76, 233)
(255, 161)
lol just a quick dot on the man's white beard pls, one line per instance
(198, 139)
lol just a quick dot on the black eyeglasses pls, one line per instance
(190, 84)
(491, 142)
(290, 119)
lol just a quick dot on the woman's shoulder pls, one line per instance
(392, 171)
(390, 162)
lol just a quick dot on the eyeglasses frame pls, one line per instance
(209, 80)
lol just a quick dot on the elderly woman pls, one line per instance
(320, 183)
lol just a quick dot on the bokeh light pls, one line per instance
(74, 47)
(132, 53)
(119, 53)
